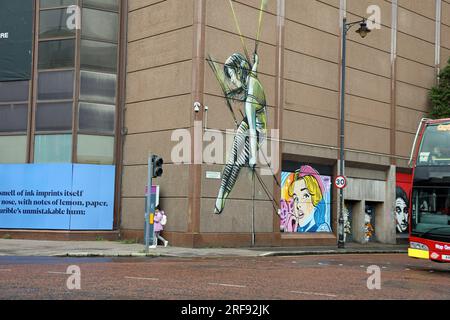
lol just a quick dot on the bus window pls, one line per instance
(435, 149)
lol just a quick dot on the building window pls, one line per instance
(14, 105)
(96, 118)
(54, 117)
(75, 108)
(53, 148)
(66, 111)
(95, 149)
(56, 3)
(17, 149)
(56, 54)
(96, 55)
(100, 25)
(55, 85)
(13, 118)
(53, 23)
(14, 91)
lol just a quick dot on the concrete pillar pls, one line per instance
(358, 221)
(385, 217)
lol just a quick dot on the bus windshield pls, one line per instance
(435, 147)
(431, 211)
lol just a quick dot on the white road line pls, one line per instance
(137, 278)
(56, 272)
(316, 294)
(5, 270)
(227, 285)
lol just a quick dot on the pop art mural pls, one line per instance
(244, 94)
(402, 196)
(305, 201)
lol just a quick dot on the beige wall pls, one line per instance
(311, 73)
(159, 84)
(415, 69)
(445, 33)
(368, 82)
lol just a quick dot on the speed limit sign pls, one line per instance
(340, 182)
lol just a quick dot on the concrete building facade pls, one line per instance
(166, 52)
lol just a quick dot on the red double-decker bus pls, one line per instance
(429, 235)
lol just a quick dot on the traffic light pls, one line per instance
(157, 163)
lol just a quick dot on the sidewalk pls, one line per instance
(120, 249)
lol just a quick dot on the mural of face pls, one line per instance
(234, 77)
(401, 215)
(303, 204)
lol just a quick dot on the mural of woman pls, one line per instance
(242, 85)
(305, 190)
(401, 210)
(239, 82)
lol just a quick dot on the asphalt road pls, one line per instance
(330, 277)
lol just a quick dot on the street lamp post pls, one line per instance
(363, 31)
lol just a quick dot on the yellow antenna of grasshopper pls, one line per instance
(258, 34)
(239, 30)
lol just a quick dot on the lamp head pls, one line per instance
(363, 29)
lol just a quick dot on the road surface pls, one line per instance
(330, 277)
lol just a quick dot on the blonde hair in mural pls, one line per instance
(311, 184)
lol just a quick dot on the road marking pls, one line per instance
(5, 270)
(315, 294)
(56, 272)
(137, 278)
(227, 285)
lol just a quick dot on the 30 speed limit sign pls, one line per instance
(340, 182)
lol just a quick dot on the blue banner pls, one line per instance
(57, 196)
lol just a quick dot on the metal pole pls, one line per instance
(341, 243)
(148, 230)
(253, 211)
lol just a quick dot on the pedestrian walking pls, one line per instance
(160, 221)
